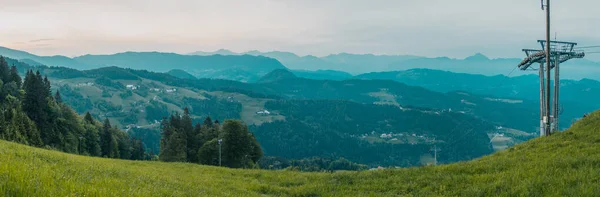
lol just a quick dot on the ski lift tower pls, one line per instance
(559, 52)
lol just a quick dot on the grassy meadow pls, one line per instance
(564, 164)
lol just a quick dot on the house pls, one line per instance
(132, 87)
(84, 84)
(263, 112)
(386, 135)
(171, 90)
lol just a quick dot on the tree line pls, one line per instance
(30, 114)
(312, 164)
(182, 141)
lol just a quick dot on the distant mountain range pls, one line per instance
(351, 63)
(250, 66)
(365, 63)
(234, 67)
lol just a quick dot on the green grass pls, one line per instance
(565, 164)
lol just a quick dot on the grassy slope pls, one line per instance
(565, 164)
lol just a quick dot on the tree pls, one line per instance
(191, 136)
(4, 70)
(207, 122)
(109, 144)
(31, 115)
(124, 144)
(238, 148)
(35, 105)
(208, 154)
(138, 152)
(88, 118)
(180, 142)
(57, 97)
(178, 146)
(15, 77)
(208, 130)
(173, 146)
(257, 151)
(92, 140)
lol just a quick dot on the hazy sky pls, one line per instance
(455, 28)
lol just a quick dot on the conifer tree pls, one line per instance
(192, 142)
(209, 130)
(88, 118)
(14, 76)
(109, 144)
(92, 140)
(57, 97)
(174, 140)
(4, 70)
(165, 132)
(137, 147)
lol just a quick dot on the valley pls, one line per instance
(292, 110)
(515, 171)
(295, 106)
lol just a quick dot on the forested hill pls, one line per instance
(136, 100)
(564, 164)
(500, 111)
(32, 114)
(577, 96)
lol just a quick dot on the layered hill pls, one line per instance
(234, 67)
(564, 164)
(241, 68)
(181, 74)
(577, 96)
(312, 117)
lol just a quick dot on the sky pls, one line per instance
(433, 28)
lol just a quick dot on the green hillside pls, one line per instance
(319, 119)
(565, 164)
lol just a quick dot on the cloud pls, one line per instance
(42, 40)
(455, 28)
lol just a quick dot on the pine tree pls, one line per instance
(207, 122)
(192, 144)
(165, 132)
(57, 97)
(178, 145)
(14, 76)
(199, 140)
(4, 70)
(124, 143)
(92, 140)
(257, 152)
(35, 105)
(108, 143)
(209, 130)
(88, 118)
(138, 152)
(174, 140)
(47, 86)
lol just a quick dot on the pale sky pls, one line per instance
(454, 28)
